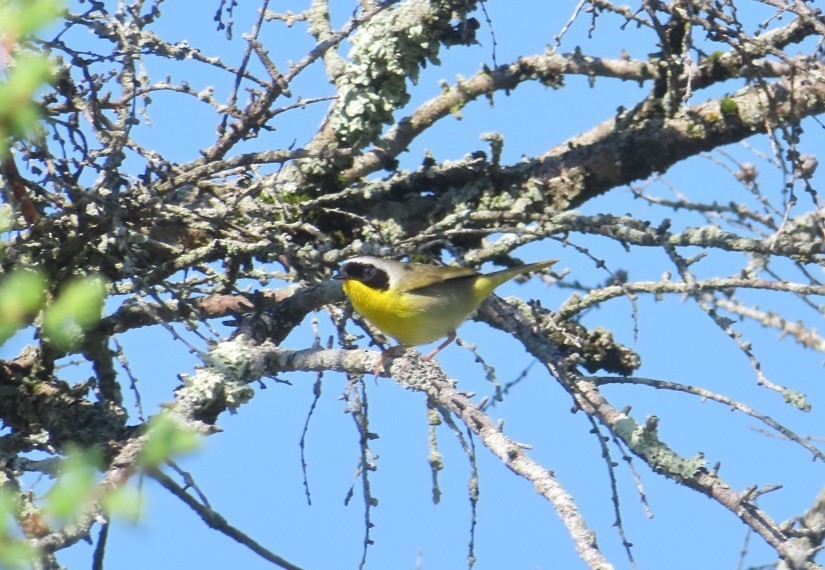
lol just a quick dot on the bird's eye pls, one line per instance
(369, 272)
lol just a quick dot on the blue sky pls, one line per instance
(251, 471)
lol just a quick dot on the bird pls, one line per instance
(416, 303)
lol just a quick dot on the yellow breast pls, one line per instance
(408, 318)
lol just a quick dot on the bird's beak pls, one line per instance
(339, 277)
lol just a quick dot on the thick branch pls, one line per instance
(628, 148)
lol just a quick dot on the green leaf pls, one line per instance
(31, 70)
(124, 502)
(78, 307)
(75, 484)
(17, 554)
(21, 296)
(164, 440)
(26, 71)
(9, 505)
(25, 17)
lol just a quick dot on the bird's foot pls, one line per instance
(387, 355)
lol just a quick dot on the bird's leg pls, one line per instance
(450, 338)
(386, 355)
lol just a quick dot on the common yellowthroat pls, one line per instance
(416, 303)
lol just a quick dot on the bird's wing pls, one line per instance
(420, 275)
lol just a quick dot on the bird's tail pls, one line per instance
(493, 280)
